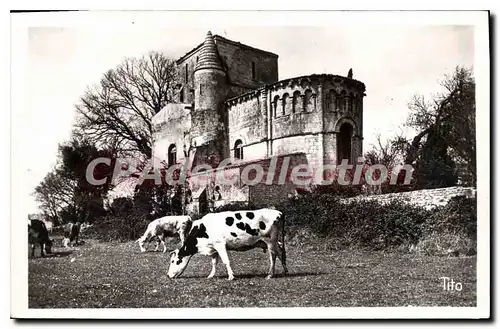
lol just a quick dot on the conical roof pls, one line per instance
(208, 57)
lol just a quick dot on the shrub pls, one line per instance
(442, 244)
(123, 227)
(319, 219)
(367, 223)
(458, 216)
(235, 206)
(357, 223)
(335, 189)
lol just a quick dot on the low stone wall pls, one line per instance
(423, 198)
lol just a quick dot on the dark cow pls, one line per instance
(38, 234)
(71, 233)
(216, 233)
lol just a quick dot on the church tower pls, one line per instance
(210, 93)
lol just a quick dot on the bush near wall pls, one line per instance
(125, 221)
(358, 224)
(322, 220)
(327, 221)
(120, 228)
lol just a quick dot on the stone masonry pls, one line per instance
(231, 106)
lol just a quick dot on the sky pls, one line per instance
(394, 63)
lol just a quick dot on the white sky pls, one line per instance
(393, 62)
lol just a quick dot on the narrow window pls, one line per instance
(275, 105)
(186, 73)
(172, 155)
(286, 104)
(295, 103)
(238, 149)
(181, 96)
(254, 75)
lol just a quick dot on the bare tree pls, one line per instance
(388, 152)
(119, 110)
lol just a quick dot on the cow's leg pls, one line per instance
(157, 242)
(141, 245)
(282, 256)
(221, 250)
(162, 239)
(41, 249)
(271, 247)
(142, 240)
(215, 258)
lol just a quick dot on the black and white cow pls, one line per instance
(38, 234)
(163, 227)
(216, 233)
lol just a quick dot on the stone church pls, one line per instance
(231, 105)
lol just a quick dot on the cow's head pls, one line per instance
(48, 246)
(178, 264)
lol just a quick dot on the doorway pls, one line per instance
(344, 144)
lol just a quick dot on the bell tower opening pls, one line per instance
(344, 145)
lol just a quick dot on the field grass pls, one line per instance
(98, 275)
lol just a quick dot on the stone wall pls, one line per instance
(423, 198)
(247, 121)
(237, 59)
(263, 195)
(171, 126)
(302, 114)
(185, 73)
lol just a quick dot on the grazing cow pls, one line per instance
(163, 227)
(216, 233)
(71, 233)
(38, 234)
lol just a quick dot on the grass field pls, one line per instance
(97, 275)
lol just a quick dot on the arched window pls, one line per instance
(275, 105)
(172, 155)
(309, 101)
(338, 104)
(332, 100)
(296, 102)
(286, 104)
(348, 104)
(254, 72)
(342, 102)
(238, 149)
